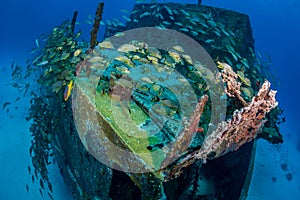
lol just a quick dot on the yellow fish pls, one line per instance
(68, 90)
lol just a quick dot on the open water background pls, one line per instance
(276, 31)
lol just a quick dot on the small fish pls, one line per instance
(12, 66)
(64, 56)
(106, 44)
(108, 23)
(26, 87)
(289, 176)
(27, 188)
(225, 32)
(189, 27)
(206, 16)
(203, 24)
(126, 18)
(29, 170)
(37, 43)
(5, 104)
(231, 33)
(50, 187)
(68, 90)
(193, 22)
(217, 33)
(166, 23)
(41, 192)
(78, 34)
(228, 60)
(124, 11)
(135, 11)
(159, 15)
(201, 31)
(161, 27)
(178, 48)
(16, 71)
(212, 23)
(231, 39)
(244, 61)
(195, 33)
(234, 56)
(64, 74)
(50, 196)
(77, 52)
(184, 29)
(168, 10)
(175, 12)
(230, 49)
(119, 34)
(145, 14)
(195, 19)
(42, 184)
(209, 41)
(178, 24)
(152, 7)
(88, 21)
(42, 63)
(184, 12)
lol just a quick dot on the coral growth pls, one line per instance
(241, 128)
(233, 87)
(186, 136)
(231, 134)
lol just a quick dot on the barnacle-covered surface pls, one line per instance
(104, 88)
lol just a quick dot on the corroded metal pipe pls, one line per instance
(96, 25)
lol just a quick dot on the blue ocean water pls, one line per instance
(276, 31)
